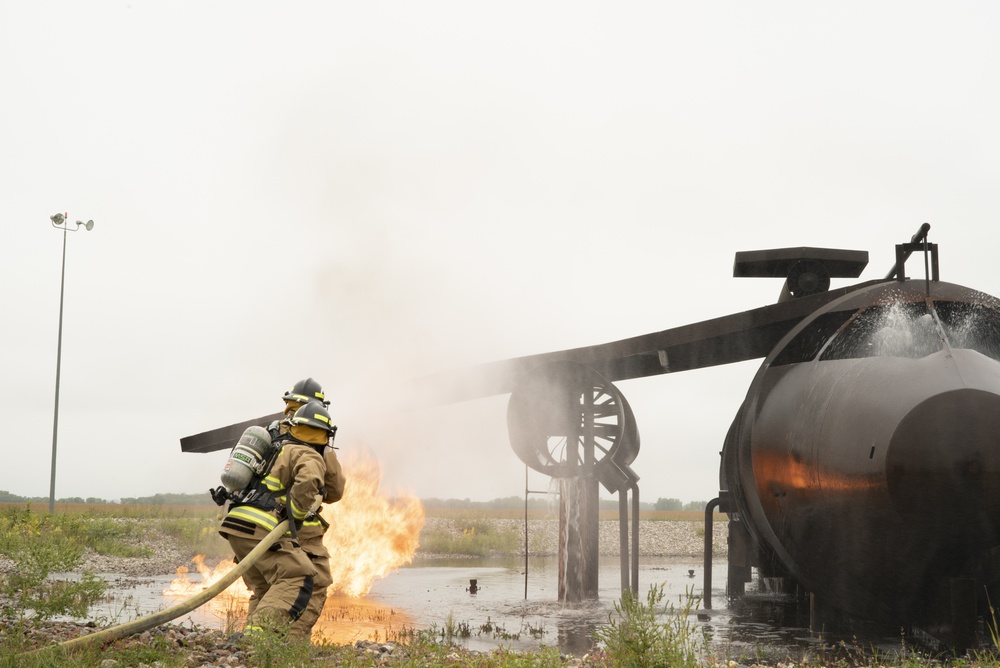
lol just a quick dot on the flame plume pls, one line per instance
(370, 535)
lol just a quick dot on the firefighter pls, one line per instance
(314, 526)
(311, 539)
(282, 580)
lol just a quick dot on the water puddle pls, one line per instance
(497, 610)
(439, 595)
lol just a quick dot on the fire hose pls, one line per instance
(164, 616)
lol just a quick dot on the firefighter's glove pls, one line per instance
(220, 495)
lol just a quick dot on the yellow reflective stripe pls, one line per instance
(322, 418)
(312, 523)
(272, 483)
(296, 513)
(255, 515)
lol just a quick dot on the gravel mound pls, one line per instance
(657, 538)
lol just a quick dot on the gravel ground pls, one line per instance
(203, 648)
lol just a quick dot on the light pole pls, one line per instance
(60, 223)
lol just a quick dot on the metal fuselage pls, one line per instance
(865, 460)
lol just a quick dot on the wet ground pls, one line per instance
(437, 594)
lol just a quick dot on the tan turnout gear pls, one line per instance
(311, 539)
(282, 580)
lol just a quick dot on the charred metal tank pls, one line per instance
(864, 464)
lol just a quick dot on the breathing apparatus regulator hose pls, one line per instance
(164, 616)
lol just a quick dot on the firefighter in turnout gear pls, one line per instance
(315, 525)
(282, 580)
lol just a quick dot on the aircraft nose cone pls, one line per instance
(944, 457)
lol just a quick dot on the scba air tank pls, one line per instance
(248, 458)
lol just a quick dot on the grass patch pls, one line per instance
(198, 535)
(121, 510)
(110, 529)
(104, 535)
(474, 537)
(40, 545)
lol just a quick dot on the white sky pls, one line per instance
(364, 192)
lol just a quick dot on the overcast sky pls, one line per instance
(366, 192)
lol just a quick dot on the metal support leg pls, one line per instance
(709, 510)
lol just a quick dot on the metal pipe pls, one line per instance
(927, 269)
(709, 509)
(623, 536)
(635, 538)
(921, 235)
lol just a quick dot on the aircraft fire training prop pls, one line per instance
(861, 474)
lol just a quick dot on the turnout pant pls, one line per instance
(281, 582)
(320, 558)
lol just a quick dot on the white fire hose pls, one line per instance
(164, 616)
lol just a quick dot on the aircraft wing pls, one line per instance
(731, 338)
(223, 438)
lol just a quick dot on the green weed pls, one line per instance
(473, 537)
(276, 650)
(39, 546)
(635, 636)
(200, 535)
(105, 535)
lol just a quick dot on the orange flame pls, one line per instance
(369, 537)
(182, 585)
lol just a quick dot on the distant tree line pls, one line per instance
(504, 503)
(677, 504)
(202, 499)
